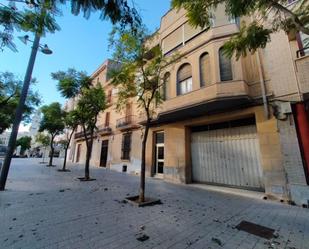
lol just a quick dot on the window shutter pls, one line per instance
(205, 69)
(107, 118)
(191, 31)
(166, 86)
(225, 67)
(184, 72)
(173, 40)
(126, 146)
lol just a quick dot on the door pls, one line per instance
(227, 156)
(104, 153)
(159, 154)
(160, 159)
(78, 152)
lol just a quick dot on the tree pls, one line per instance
(71, 124)
(44, 140)
(274, 16)
(139, 76)
(10, 89)
(11, 19)
(90, 102)
(24, 142)
(53, 123)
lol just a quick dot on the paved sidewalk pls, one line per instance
(43, 208)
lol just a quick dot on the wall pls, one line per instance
(178, 158)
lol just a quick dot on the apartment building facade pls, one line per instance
(238, 123)
(117, 142)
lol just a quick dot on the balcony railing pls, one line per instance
(127, 122)
(79, 135)
(104, 130)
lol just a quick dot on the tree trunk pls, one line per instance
(88, 156)
(66, 151)
(143, 164)
(52, 151)
(65, 159)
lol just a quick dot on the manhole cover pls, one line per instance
(258, 230)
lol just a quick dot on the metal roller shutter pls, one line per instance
(229, 156)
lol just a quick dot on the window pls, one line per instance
(173, 40)
(184, 79)
(165, 87)
(225, 66)
(109, 96)
(205, 78)
(107, 118)
(126, 146)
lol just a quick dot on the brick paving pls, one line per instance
(43, 208)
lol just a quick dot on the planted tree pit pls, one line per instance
(134, 200)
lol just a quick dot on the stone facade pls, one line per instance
(274, 73)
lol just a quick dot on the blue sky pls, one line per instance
(81, 43)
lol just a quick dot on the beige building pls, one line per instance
(238, 123)
(230, 122)
(117, 144)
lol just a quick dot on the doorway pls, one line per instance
(104, 153)
(159, 154)
(78, 152)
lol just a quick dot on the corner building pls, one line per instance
(231, 122)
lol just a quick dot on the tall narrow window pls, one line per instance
(165, 88)
(126, 146)
(205, 70)
(107, 118)
(109, 96)
(225, 66)
(184, 79)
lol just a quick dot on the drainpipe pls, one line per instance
(262, 84)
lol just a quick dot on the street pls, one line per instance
(43, 208)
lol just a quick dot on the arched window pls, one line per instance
(166, 84)
(184, 79)
(225, 66)
(205, 70)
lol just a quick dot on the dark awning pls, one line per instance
(205, 108)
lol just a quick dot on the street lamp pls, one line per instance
(21, 105)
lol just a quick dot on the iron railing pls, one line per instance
(126, 121)
(102, 129)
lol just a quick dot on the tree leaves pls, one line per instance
(10, 89)
(53, 119)
(250, 38)
(269, 16)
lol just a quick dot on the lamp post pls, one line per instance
(20, 108)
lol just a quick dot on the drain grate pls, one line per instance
(258, 230)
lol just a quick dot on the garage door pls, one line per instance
(227, 156)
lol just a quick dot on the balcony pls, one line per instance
(127, 123)
(219, 97)
(79, 135)
(104, 130)
(302, 66)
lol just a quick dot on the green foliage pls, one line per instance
(140, 73)
(42, 139)
(91, 102)
(53, 119)
(71, 82)
(90, 99)
(10, 90)
(254, 34)
(251, 38)
(40, 19)
(24, 142)
(39, 16)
